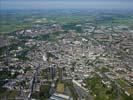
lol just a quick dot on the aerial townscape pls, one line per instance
(66, 55)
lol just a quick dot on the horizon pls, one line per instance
(63, 4)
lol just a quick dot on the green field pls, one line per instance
(15, 20)
(101, 92)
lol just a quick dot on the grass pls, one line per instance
(4, 29)
(44, 92)
(123, 21)
(71, 88)
(104, 69)
(60, 87)
(49, 37)
(10, 95)
(100, 91)
(124, 85)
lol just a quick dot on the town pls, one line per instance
(48, 62)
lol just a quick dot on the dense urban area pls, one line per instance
(65, 57)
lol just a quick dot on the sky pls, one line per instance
(66, 4)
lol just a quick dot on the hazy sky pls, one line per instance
(61, 4)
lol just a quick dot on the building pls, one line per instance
(57, 96)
